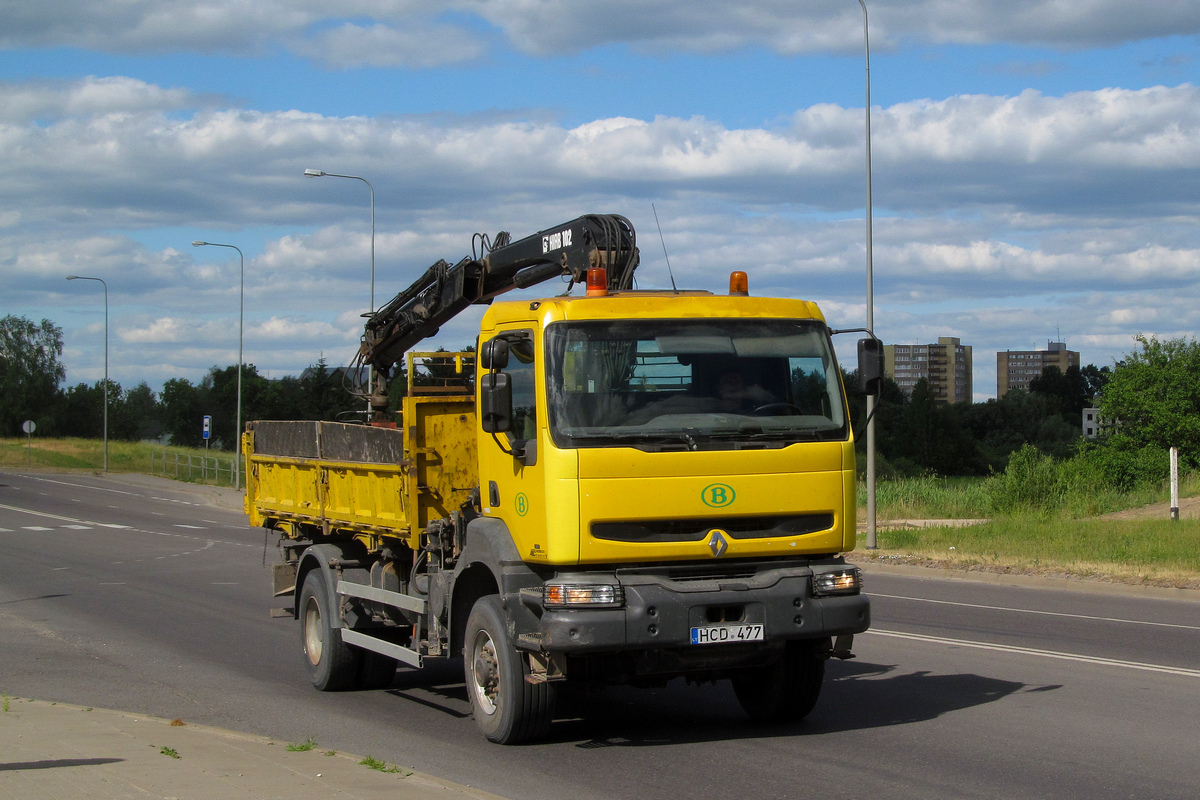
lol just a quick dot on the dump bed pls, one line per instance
(308, 478)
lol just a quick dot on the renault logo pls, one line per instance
(717, 544)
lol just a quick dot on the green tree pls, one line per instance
(322, 393)
(1071, 392)
(79, 411)
(182, 411)
(1096, 378)
(30, 372)
(282, 399)
(1153, 397)
(133, 414)
(1001, 427)
(223, 401)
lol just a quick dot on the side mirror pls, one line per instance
(494, 354)
(870, 366)
(495, 400)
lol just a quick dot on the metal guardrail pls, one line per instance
(190, 467)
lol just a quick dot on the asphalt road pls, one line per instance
(144, 598)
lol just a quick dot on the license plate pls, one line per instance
(715, 634)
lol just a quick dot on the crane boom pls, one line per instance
(445, 290)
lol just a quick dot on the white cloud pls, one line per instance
(789, 27)
(26, 102)
(413, 45)
(280, 329)
(166, 330)
(542, 27)
(1105, 153)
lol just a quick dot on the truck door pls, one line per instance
(512, 480)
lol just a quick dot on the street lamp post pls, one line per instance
(237, 440)
(871, 529)
(316, 173)
(105, 285)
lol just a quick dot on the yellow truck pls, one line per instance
(621, 486)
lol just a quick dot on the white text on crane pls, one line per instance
(555, 241)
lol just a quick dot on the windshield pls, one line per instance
(693, 384)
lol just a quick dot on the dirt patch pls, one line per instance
(1189, 508)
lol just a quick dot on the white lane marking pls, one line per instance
(6, 530)
(112, 525)
(191, 527)
(83, 486)
(48, 516)
(1032, 611)
(1029, 651)
(107, 489)
(35, 528)
(78, 527)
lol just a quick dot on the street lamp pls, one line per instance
(105, 285)
(237, 441)
(316, 173)
(871, 543)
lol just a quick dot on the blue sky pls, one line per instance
(1036, 165)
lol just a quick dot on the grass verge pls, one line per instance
(1149, 552)
(136, 457)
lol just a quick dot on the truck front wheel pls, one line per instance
(331, 663)
(787, 689)
(508, 709)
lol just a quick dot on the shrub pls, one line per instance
(1032, 480)
(1125, 466)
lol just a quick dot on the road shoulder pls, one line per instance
(57, 750)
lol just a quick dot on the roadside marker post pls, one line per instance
(29, 427)
(1175, 484)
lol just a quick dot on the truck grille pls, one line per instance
(694, 530)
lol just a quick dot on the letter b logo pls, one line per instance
(718, 495)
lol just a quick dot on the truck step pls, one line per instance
(410, 657)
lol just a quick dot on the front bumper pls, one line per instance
(661, 608)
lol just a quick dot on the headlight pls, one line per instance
(844, 581)
(570, 595)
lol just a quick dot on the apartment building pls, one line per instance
(1015, 369)
(946, 365)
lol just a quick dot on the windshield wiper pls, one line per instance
(778, 434)
(649, 437)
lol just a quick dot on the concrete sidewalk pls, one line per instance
(54, 750)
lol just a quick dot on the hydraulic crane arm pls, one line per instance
(569, 249)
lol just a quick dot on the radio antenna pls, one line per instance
(664, 244)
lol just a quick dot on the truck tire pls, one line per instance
(785, 690)
(332, 665)
(508, 709)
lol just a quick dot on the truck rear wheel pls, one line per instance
(508, 709)
(331, 663)
(785, 690)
